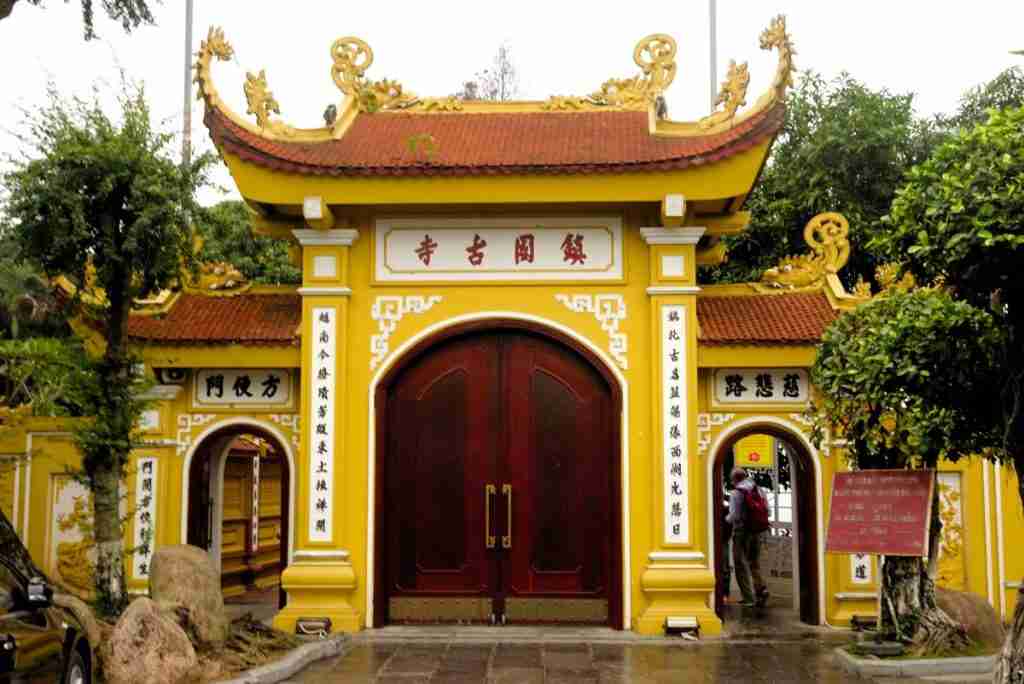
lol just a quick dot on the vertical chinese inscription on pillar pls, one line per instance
(145, 516)
(675, 409)
(321, 425)
(254, 537)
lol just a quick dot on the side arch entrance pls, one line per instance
(792, 485)
(498, 480)
(238, 509)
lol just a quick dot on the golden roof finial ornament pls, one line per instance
(351, 58)
(826, 234)
(731, 96)
(775, 37)
(655, 55)
(259, 98)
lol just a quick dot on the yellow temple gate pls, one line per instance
(500, 393)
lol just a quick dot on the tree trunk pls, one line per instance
(909, 611)
(109, 543)
(1010, 666)
(105, 465)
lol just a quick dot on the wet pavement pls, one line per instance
(553, 662)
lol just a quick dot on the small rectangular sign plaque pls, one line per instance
(885, 512)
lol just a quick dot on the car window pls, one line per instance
(9, 588)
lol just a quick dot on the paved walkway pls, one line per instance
(552, 662)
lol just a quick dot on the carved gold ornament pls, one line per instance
(731, 96)
(826, 234)
(655, 55)
(259, 98)
(257, 94)
(352, 57)
(775, 37)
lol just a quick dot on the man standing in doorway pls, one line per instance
(748, 515)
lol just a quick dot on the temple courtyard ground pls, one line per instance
(376, 659)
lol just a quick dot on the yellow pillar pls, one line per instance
(678, 580)
(320, 581)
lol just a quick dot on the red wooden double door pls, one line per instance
(500, 485)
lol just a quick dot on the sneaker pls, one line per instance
(762, 596)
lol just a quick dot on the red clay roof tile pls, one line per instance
(764, 319)
(494, 143)
(249, 319)
(271, 320)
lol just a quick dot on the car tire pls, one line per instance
(77, 672)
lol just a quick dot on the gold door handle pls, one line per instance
(489, 539)
(506, 539)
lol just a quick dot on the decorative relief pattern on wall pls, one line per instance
(952, 571)
(71, 556)
(186, 423)
(388, 310)
(290, 421)
(705, 423)
(674, 424)
(610, 311)
(322, 400)
(145, 516)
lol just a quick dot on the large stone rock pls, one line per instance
(147, 645)
(975, 614)
(185, 575)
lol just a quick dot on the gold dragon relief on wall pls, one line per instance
(72, 550)
(952, 572)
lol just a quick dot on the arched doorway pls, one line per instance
(498, 480)
(239, 487)
(783, 467)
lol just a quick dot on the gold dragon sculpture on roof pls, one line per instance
(351, 58)
(827, 236)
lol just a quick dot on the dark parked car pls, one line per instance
(39, 642)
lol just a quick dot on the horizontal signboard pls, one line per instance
(884, 512)
(519, 249)
(249, 386)
(761, 385)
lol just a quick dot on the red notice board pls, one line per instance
(884, 512)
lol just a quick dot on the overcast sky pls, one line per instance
(935, 48)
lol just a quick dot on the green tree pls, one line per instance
(227, 236)
(843, 147)
(1004, 91)
(131, 13)
(89, 190)
(907, 381)
(960, 218)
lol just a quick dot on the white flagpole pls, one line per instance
(713, 42)
(186, 142)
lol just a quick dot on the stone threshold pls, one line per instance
(562, 634)
(919, 667)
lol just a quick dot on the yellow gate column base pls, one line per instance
(317, 590)
(675, 591)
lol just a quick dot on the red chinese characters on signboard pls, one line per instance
(884, 512)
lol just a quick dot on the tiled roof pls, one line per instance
(764, 319)
(271, 320)
(250, 319)
(494, 143)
